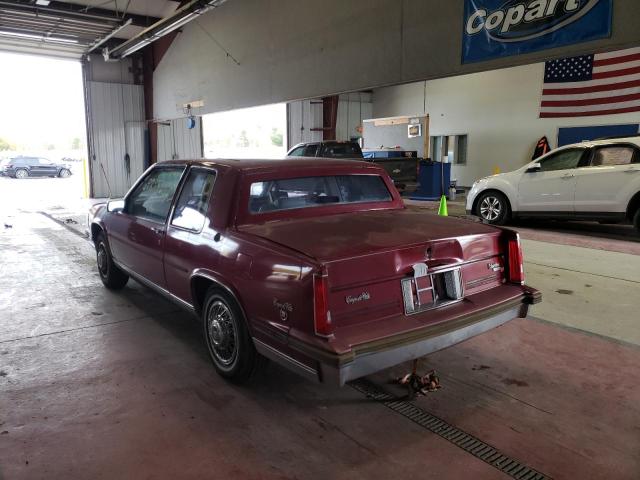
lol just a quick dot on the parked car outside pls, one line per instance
(594, 180)
(403, 171)
(317, 266)
(3, 162)
(24, 167)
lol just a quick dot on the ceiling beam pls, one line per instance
(73, 10)
(187, 13)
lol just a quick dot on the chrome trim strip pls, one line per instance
(285, 360)
(148, 283)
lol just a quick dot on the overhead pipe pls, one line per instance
(113, 33)
(181, 17)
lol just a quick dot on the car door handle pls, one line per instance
(157, 230)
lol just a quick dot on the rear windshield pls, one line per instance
(342, 150)
(285, 194)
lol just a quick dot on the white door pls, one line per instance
(606, 183)
(552, 188)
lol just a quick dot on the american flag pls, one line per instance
(600, 84)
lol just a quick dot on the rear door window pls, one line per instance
(606, 156)
(310, 150)
(303, 192)
(152, 198)
(192, 205)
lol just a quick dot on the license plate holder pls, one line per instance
(427, 290)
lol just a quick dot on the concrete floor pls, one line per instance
(95, 384)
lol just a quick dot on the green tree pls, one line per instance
(75, 143)
(243, 140)
(276, 137)
(4, 145)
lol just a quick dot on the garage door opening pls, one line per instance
(259, 132)
(42, 132)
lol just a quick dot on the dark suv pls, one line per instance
(326, 149)
(23, 167)
(402, 170)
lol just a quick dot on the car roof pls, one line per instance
(255, 165)
(635, 139)
(326, 142)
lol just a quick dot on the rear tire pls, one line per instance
(21, 173)
(636, 221)
(493, 208)
(112, 277)
(227, 337)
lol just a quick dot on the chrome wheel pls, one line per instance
(103, 260)
(490, 208)
(22, 174)
(64, 173)
(222, 333)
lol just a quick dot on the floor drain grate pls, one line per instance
(460, 438)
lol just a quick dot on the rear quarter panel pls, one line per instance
(274, 285)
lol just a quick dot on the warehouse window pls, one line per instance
(449, 148)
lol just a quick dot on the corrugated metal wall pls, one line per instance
(353, 108)
(304, 115)
(176, 141)
(116, 134)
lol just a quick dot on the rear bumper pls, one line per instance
(372, 357)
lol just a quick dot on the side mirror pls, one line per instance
(534, 168)
(115, 206)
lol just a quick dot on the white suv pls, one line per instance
(594, 180)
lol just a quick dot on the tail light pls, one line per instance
(321, 313)
(515, 266)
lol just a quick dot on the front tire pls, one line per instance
(636, 221)
(64, 173)
(112, 277)
(228, 341)
(493, 208)
(21, 173)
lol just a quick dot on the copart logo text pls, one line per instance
(518, 20)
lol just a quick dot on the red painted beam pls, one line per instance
(329, 117)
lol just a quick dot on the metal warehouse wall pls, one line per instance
(353, 108)
(289, 50)
(176, 141)
(304, 115)
(117, 139)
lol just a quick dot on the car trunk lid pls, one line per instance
(385, 263)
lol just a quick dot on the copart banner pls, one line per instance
(496, 28)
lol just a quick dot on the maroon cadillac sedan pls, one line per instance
(316, 265)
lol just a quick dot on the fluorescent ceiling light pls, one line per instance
(43, 3)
